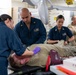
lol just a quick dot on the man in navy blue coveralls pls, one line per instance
(30, 30)
(59, 32)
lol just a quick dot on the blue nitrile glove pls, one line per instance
(36, 50)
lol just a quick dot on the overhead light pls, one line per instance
(74, 0)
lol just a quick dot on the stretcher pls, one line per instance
(30, 70)
(25, 70)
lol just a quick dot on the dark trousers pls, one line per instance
(3, 66)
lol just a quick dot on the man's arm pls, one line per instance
(70, 35)
(52, 41)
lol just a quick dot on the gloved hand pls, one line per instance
(36, 50)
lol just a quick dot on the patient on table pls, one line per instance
(40, 58)
(16, 60)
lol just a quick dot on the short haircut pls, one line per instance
(60, 17)
(24, 10)
(4, 17)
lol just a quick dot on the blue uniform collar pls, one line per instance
(56, 28)
(32, 24)
(32, 21)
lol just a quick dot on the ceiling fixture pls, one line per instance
(29, 2)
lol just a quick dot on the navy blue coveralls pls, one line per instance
(35, 35)
(8, 41)
(55, 34)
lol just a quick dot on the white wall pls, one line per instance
(5, 7)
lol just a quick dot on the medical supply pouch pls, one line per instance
(55, 58)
